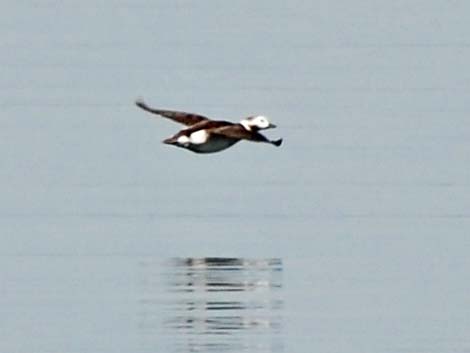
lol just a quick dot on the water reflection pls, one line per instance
(222, 304)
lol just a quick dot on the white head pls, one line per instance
(258, 122)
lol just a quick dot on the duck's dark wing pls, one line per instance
(208, 125)
(237, 131)
(187, 119)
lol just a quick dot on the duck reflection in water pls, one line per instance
(225, 304)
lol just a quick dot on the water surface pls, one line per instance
(365, 207)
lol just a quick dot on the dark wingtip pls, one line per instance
(140, 102)
(277, 143)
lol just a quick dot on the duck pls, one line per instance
(204, 135)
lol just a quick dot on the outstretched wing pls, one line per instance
(187, 119)
(239, 132)
(208, 125)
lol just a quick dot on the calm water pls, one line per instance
(351, 237)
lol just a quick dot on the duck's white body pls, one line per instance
(202, 142)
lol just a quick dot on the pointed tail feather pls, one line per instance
(277, 143)
(170, 141)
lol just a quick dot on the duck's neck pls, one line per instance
(245, 124)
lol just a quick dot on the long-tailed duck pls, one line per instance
(203, 135)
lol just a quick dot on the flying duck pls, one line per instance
(203, 135)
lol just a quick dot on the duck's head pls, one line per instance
(257, 122)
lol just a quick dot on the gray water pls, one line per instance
(351, 237)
